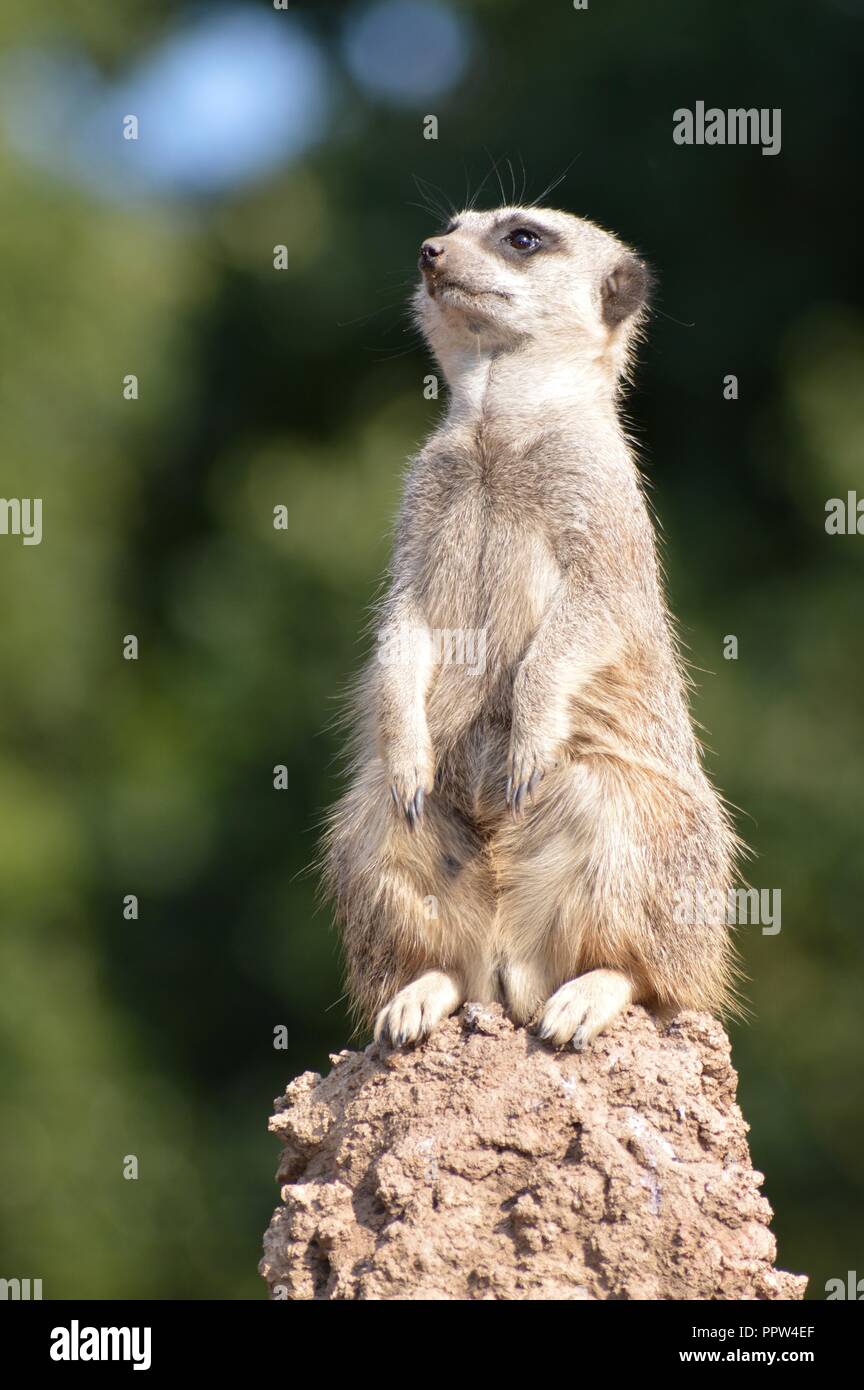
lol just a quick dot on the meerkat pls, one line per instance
(521, 829)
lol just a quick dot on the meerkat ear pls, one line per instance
(625, 290)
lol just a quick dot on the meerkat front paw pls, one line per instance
(582, 1008)
(411, 776)
(526, 767)
(418, 1008)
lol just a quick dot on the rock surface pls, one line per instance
(484, 1165)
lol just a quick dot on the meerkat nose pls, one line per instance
(429, 253)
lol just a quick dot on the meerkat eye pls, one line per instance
(523, 239)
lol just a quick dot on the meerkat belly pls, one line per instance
(490, 582)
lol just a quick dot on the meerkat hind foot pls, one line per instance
(582, 1008)
(418, 1008)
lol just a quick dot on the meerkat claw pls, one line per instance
(412, 808)
(520, 785)
(517, 798)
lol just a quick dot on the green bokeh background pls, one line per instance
(304, 388)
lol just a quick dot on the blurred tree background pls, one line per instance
(303, 387)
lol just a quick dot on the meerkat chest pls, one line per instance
(490, 561)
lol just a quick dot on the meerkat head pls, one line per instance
(512, 277)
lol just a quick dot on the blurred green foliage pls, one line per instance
(304, 388)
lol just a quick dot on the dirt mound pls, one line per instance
(484, 1165)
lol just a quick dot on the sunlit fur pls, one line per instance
(524, 516)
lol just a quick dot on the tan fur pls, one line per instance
(524, 518)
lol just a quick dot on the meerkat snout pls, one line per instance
(429, 253)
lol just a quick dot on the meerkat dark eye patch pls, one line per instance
(625, 290)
